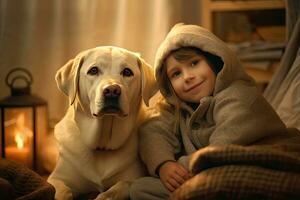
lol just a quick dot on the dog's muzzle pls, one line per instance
(111, 96)
(111, 100)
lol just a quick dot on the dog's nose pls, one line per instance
(112, 91)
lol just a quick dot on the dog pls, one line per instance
(108, 89)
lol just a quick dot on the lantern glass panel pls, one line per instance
(18, 129)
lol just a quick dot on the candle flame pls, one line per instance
(19, 141)
(21, 132)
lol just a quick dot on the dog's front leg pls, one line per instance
(62, 192)
(119, 191)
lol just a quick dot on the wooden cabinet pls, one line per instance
(248, 21)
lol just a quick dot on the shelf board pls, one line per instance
(245, 5)
(260, 76)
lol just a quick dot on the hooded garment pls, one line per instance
(236, 113)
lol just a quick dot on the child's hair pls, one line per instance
(183, 54)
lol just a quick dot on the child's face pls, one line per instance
(191, 79)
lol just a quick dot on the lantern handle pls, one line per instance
(28, 79)
(20, 77)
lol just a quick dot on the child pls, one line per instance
(209, 100)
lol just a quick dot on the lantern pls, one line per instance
(23, 120)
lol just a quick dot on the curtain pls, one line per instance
(42, 36)
(283, 90)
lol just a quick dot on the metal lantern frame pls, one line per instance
(21, 98)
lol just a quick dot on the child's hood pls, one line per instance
(191, 35)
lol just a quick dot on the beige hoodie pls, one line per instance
(236, 113)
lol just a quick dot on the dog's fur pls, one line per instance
(97, 137)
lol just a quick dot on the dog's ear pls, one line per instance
(149, 87)
(67, 77)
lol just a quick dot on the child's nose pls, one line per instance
(188, 76)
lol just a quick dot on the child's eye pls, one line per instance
(194, 63)
(175, 74)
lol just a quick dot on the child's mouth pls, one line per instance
(194, 86)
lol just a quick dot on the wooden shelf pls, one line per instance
(245, 5)
(209, 6)
(260, 76)
(211, 9)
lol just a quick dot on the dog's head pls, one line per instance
(106, 80)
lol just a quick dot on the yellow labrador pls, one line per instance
(97, 138)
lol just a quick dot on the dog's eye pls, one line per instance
(93, 71)
(127, 72)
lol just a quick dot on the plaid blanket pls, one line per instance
(244, 172)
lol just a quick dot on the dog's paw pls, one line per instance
(62, 192)
(64, 196)
(108, 195)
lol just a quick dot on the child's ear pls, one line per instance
(149, 86)
(67, 77)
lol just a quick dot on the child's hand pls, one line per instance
(172, 175)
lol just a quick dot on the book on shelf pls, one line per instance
(259, 54)
(260, 65)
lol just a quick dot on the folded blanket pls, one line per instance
(239, 172)
(19, 182)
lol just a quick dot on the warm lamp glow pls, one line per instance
(19, 150)
(19, 141)
(21, 131)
